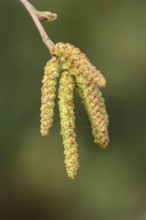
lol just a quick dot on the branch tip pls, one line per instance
(37, 17)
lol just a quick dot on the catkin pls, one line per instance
(94, 107)
(48, 95)
(66, 108)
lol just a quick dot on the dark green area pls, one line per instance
(111, 184)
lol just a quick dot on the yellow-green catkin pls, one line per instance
(94, 107)
(101, 138)
(67, 117)
(48, 95)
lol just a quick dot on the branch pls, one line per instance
(37, 17)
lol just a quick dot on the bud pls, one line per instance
(45, 15)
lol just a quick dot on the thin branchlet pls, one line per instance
(37, 17)
(76, 70)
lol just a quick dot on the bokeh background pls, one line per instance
(111, 184)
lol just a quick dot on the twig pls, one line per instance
(38, 16)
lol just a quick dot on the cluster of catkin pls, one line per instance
(74, 72)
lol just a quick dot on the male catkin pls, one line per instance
(75, 72)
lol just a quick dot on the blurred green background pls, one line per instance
(111, 184)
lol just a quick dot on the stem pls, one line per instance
(34, 14)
